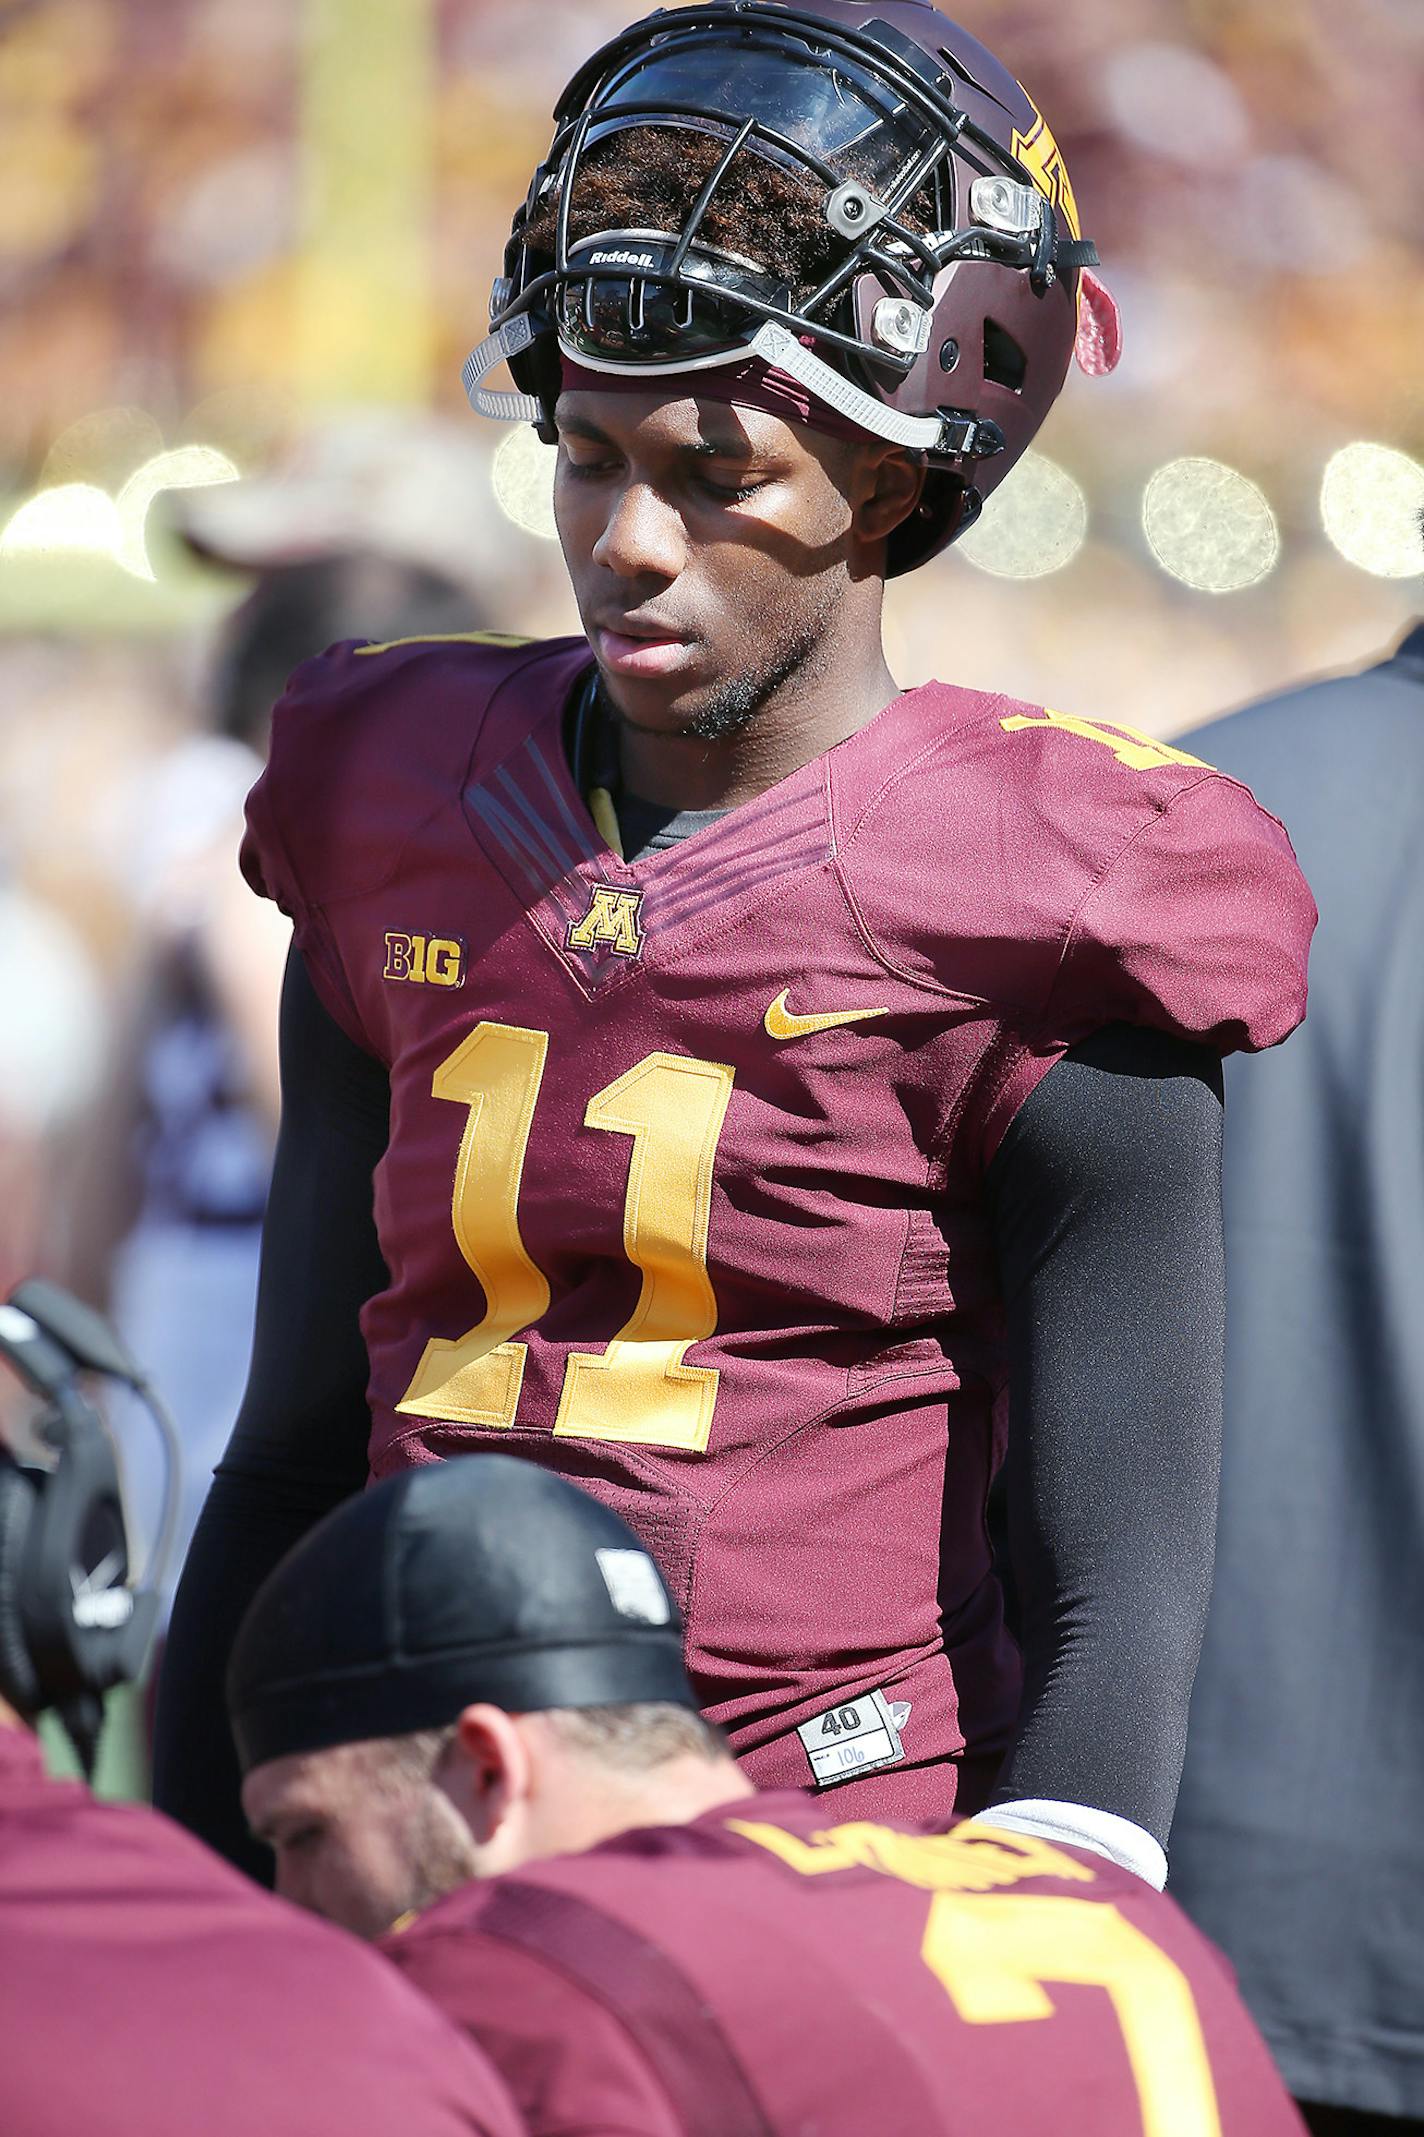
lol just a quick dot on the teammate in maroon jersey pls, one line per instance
(652, 1946)
(762, 1067)
(149, 1991)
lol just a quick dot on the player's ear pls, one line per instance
(486, 1770)
(888, 490)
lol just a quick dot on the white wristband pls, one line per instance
(1079, 1826)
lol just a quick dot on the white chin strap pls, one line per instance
(778, 348)
(506, 341)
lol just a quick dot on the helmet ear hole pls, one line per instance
(947, 507)
(1005, 363)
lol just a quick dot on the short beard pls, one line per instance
(734, 705)
(442, 1854)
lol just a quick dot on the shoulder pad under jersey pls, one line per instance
(369, 740)
(1072, 873)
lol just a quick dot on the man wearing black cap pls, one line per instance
(519, 1644)
(473, 1672)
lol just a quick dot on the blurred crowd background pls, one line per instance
(244, 248)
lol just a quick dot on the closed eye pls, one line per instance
(733, 494)
(298, 1840)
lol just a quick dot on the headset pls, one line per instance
(72, 1625)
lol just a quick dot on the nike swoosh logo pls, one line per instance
(783, 1023)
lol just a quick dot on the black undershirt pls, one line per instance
(1104, 1204)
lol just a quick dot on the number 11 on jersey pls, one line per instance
(638, 1389)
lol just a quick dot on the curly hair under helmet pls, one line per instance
(877, 147)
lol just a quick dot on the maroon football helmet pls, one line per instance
(952, 339)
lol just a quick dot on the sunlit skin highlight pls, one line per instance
(729, 571)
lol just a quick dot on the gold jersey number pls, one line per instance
(995, 1954)
(638, 1388)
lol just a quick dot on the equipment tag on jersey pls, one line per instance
(852, 1739)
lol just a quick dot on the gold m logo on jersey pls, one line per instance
(611, 922)
(1039, 153)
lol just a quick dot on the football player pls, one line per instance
(651, 1945)
(762, 1068)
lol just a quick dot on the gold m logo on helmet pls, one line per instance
(611, 920)
(1039, 153)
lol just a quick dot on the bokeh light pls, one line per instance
(78, 518)
(1034, 523)
(1209, 526)
(186, 467)
(523, 480)
(74, 518)
(1371, 499)
(103, 446)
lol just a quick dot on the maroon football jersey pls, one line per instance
(684, 1191)
(764, 1971)
(150, 1991)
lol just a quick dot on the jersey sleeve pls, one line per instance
(285, 853)
(1200, 926)
(369, 744)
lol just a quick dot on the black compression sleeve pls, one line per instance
(299, 1445)
(1105, 1202)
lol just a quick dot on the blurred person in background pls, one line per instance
(463, 1694)
(1298, 1844)
(188, 1134)
(763, 1067)
(51, 1038)
(78, 712)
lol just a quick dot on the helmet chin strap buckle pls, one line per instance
(969, 437)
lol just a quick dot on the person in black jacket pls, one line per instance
(1297, 1842)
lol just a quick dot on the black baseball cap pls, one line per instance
(477, 1578)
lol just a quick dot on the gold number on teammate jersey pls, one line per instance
(994, 1955)
(1139, 752)
(993, 1951)
(639, 1389)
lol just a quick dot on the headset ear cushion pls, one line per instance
(19, 1683)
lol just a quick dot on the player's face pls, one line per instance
(356, 1836)
(709, 549)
